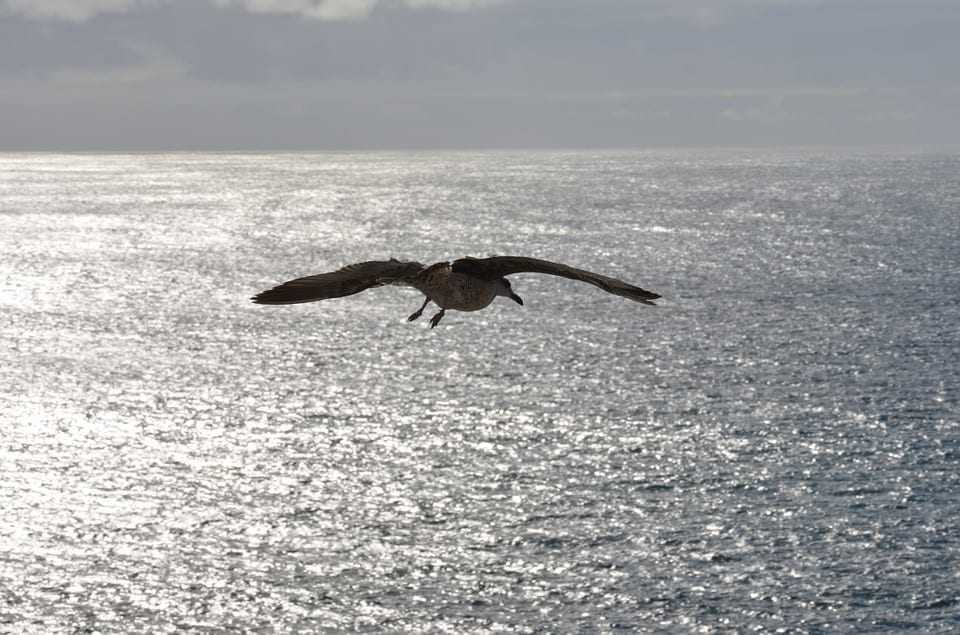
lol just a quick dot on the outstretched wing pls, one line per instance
(343, 282)
(499, 266)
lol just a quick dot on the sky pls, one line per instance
(159, 75)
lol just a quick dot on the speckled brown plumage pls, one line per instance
(467, 284)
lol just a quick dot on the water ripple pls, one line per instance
(774, 448)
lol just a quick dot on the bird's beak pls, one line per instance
(516, 298)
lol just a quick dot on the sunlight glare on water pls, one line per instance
(774, 447)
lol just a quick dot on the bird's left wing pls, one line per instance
(499, 266)
(342, 282)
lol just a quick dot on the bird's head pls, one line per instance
(504, 289)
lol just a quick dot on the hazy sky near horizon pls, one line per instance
(383, 74)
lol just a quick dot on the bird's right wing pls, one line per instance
(343, 282)
(498, 266)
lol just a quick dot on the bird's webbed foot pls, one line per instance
(436, 318)
(418, 312)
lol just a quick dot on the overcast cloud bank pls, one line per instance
(274, 74)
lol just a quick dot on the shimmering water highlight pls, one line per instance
(774, 448)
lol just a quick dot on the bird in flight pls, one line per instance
(467, 284)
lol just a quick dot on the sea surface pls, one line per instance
(774, 448)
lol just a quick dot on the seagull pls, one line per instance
(467, 284)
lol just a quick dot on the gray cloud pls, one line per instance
(79, 10)
(233, 74)
(344, 9)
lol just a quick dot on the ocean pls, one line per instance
(773, 448)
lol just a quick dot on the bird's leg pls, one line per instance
(419, 311)
(436, 318)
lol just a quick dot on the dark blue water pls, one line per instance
(775, 447)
